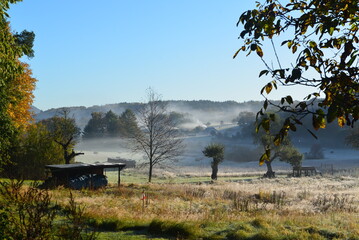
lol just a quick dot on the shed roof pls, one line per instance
(85, 166)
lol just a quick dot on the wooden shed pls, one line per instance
(304, 171)
(62, 173)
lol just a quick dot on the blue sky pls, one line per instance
(99, 52)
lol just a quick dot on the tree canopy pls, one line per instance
(12, 95)
(64, 131)
(216, 152)
(323, 38)
(284, 152)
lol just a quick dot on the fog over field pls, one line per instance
(246, 161)
(216, 123)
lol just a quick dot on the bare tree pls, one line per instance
(158, 139)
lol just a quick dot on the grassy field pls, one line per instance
(235, 207)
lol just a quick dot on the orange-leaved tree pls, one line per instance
(21, 97)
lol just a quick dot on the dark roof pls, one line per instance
(85, 166)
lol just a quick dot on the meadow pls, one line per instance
(234, 207)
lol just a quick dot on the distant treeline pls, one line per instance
(111, 125)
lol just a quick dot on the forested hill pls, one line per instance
(202, 110)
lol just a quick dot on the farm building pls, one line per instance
(81, 175)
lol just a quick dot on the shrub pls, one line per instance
(29, 212)
(175, 229)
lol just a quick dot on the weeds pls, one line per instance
(28, 213)
(335, 202)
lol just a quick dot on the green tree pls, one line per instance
(323, 38)
(216, 152)
(34, 150)
(285, 151)
(158, 139)
(112, 124)
(12, 48)
(245, 118)
(64, 132)
(128, 124)
(95, 127)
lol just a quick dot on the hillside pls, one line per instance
(202, 111)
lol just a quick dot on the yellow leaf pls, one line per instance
(341, 121)
(259, 51)
(268, 88)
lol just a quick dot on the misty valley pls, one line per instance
(271, 155)
(203, 122)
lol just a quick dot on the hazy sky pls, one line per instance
(98, 52)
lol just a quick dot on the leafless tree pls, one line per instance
(158, 139)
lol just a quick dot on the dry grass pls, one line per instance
(287, 205)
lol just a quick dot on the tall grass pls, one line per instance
(284, 208)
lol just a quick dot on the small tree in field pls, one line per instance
(158, 139)
(285, 151)
(216, 152)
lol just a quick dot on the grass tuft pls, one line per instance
(180, 230)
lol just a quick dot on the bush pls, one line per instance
(32, 152)
(178, 230)
(27, 213)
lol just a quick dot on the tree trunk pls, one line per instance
(150, 173)
(270, 173)
(214, 171)
(66, 155)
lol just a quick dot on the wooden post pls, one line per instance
(91, 183)
(119, 177)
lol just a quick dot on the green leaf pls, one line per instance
(296, 73)
(263, 72)
(292, 127)
(272, 117)
(265, 104)
(253, 47)
(266, 124)
(289, 99)
(332, 113)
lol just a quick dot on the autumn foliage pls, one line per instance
(21, 97)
